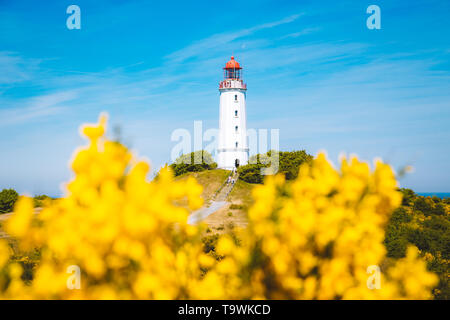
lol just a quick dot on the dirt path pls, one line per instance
(217, 203)
(204, 212)
(6, 216)
(225, 191)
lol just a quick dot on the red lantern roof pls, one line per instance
(232, 64)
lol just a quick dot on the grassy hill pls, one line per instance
(211, 180)
(420, 221)
(234, 214)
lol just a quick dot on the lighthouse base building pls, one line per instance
(232, 148)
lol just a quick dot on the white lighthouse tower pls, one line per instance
(232, 148)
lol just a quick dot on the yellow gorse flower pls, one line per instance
(316, 237)
(313, 238)
(123, 232)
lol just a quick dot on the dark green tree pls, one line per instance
(39, 200)
(438, 209)
(193, 162)
(421, 204)
(8, 198)
(408, 196)
(288, 164)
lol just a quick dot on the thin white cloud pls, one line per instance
(303, 32)
(221, 39)
(14, 68)
(36, 107)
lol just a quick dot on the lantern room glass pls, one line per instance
(232, 73)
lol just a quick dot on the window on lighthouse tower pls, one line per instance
(236, 144)
(235, 97)
(236, 129)
(235, 113)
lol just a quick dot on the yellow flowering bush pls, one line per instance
(313, 238)
(123, 232)
(316, 238)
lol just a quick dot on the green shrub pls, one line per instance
(400, 216)
(408, 196)
(438, 210)
(39, 200)
(8, 198)
(187, 163)
(425, 223)
(251, 173)
(210, 243)
(422, 205)
(397, 248)
(209, 246)
(289, 164)
(398, 233)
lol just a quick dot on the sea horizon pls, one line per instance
(441, 195)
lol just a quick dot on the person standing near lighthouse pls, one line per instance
(232, 148)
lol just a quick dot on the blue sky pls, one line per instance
(313, 70)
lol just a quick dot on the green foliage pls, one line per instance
(193, 162)
(251, 173)
(425, 223)
(29, 260)
(8, 198)
(289, 164)
(408, 196)
(422, 205)
(398, 233)
(438, 210)
(209, 246)
(39, 200)
(210, 243)
(400, 215)
(235, 206)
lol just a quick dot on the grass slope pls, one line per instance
(211, 180)
(234, 214)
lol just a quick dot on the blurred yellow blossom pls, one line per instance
(315, 237)
(123, 232)
(4, 253)
(310, 239)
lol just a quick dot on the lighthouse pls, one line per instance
(232, 148)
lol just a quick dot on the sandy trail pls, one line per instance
(218, 202)
(6, 216)
(204, 212)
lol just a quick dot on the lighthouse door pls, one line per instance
(236, 163)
